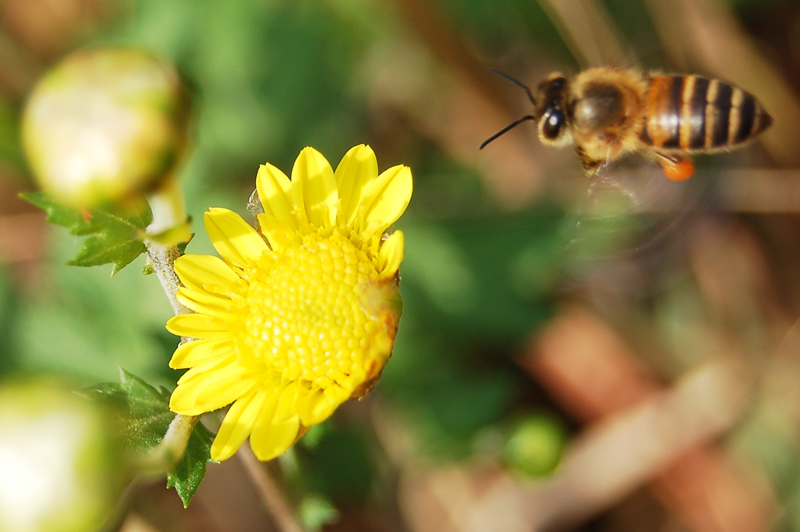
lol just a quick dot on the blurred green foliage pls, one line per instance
(535, 444)
(269, 79)
(10, 141)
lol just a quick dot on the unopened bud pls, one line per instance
(103, 124)
(61, 467)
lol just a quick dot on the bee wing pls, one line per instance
(632, 224)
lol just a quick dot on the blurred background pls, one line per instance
(617, 354)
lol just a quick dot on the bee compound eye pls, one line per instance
(558, 83)
(552, 124)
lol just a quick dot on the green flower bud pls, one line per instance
(103, 124)
(61, 468)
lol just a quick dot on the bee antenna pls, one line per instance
(516, 82)
(506, 129)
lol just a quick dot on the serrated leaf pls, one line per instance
(143, 399)
(56, 213)
(146, 418)
(189, 472)
(116, 233)
(108, 393)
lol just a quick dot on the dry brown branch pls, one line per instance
(588, 31)
(722, 47)
(272, 495)
(648, 435)
(457, 104)
(588, 370)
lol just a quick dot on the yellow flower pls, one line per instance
(299, 316)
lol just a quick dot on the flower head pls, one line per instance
(297, 317)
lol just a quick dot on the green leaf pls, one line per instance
(145, 419)
(189, 472)
(116, 233)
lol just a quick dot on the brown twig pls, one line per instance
(459, 104)
(588, 31)
(648, 432)
(271, 494)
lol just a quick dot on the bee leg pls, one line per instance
(675, 167)
(590, 166)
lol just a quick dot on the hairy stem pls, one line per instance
(168, 211)
(171, 449)
(163, 260)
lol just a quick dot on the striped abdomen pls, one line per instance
(691, 113)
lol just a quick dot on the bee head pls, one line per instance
(550, 111)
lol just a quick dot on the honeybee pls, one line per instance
(609, 112)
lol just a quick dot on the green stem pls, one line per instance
(168, 212)
(167, 453)
(163, 260)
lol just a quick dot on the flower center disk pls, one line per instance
(305, 319)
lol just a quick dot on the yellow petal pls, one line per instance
(337, 394)
(236, 426)
(391, 254)
(315, 406)
(279, 235)
(224, 391)
(286, 407)
(314, 189)
(274, 190)
(358, 167)
(216, 370)
(190, 354)
(202, 271)
(198, 326)
(233, 238)
(273, 435)
(183, 398)
(181, 402)
(385, 199)
(206, 303)
(211, 386)
(270, 441)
